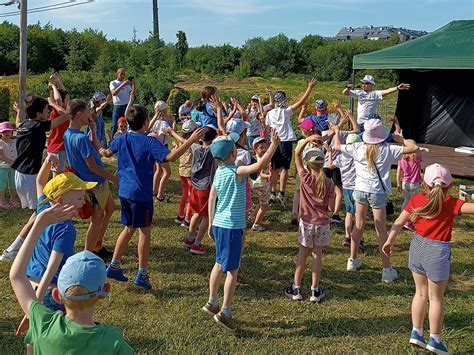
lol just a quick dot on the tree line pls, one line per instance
(52, 48)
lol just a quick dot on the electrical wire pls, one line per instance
(51, 7)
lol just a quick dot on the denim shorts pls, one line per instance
(371, 199)
(431, 258)
(349, 202)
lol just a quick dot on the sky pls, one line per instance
(234, 21)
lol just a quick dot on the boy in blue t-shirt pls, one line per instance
(83, 157)
(227, 221)
(56, 242)
(136, 155)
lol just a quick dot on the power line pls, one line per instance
(56, 6)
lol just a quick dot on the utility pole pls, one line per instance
(22, 73)
(156, 28)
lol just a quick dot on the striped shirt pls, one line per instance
(230, 209)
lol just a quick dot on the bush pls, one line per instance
(176, 98)
(4, 104)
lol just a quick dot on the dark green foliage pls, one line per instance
(181, 46)
(4, 104)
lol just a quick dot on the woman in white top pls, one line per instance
(373, 159)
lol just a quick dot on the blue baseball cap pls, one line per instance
(236, 125)
(321, 105)
(99, 96)
(223, 145)
(83, 269)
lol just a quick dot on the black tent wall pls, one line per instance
(439, 107)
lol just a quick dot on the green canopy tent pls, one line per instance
(439, 107)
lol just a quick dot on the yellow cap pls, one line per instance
(63, 183)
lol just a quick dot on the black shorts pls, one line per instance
(334, 175)
(283, 155)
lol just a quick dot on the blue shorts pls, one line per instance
(371, 199)
(51, 304)
(228, 247)
(430, 258)
(349, 200)
(136, 214)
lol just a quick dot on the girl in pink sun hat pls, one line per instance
(432, 213)
(7, 174)
(373, 159)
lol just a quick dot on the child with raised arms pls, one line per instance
(432, 213)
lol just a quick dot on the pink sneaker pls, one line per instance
(410, 226)
(197, 249)
(187, 243)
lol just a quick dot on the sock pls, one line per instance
(197, 242)
(273, 192)
(190, 238)
(295, 287)
(282, 193)
(227, 311)
(116, 263)
(16, 245)
(213, 301)
(436, 337)
(419, 331)
(315, 288)
(143, 270)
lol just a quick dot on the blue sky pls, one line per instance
(234, 21)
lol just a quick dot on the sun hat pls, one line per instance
(99, 96)
(280, 98)
(223, 145)
(189, 126)
(374, 116)
(436, 174)
(353, 138)
(62, 183)
(258, 140)
(321, 105)
(374, 132)
(368, 79)
(236, 125)
(83, 269)
(307, 124)
(255, 97)
(160, 105)
(6, 126)
(122, 120)
(313, 154)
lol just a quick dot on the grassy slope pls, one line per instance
(359, 314)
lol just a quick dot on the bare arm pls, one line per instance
(401, 86)
(56, 95)
(347, 89)
(298, 159)
(337, 140)
(104, 104)
(399, 177)
(467, 208)
(302, 112)
(4, 158)
(408, 146)
(396, 228)
(42, 177)
(57, 81)
(53, 266)
(175, 135)
(301, 101)
(115, 91)
(153, 120)
(131, 98)
(177, 152)
(20, 117)
(396, 123)
(212, 208)
(102, 172)
(262, 163)
(62, 112)
(270, 96)
(217, 103)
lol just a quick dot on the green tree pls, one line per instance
(9, 43)
(181, 46)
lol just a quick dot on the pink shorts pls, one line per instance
(248, 196)
(311, 235)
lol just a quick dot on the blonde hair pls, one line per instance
(411, 156)
(78, 305)
(371, 152)
(433, 207)
(319, 187)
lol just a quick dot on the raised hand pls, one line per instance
(216, 101)
(337, 103)
(275, 137)
(16, 107)
(398, 137)
(57, 213)
(198, 134)
(403, 86)
(312, 83)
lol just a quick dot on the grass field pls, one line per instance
(359, 314)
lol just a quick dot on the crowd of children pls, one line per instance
(227, 155)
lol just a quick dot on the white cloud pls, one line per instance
(228, 7)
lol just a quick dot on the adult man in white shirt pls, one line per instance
(184, 111)
(368, 98)
(120, 90)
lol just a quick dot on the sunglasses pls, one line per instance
(366, 83)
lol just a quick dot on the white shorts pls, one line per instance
(61, 156)
(26, 189)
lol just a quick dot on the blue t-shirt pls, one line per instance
(321, 122)
(207, 116)
(99, 130)
(231, 198)
(59, 237)
(136, 156)
(78, 149)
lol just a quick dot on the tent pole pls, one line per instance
(351, 99)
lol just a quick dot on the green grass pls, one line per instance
(359, 314)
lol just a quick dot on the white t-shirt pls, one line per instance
(184, 110)
(366, 103)
(243, 157)
(157, 129)
(280, 120)
(348, 171)
(335, 153)
(123, 95)
(9, 151)
(367, 180)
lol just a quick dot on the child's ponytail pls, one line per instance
(371, 152)
(433, 207)
(319, 187)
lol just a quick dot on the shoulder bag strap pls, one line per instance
(380, 178)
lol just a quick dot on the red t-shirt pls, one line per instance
(56, 136)
(440, 227)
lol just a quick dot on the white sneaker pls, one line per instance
(258, 228)
(389, 275)
(8, 255)
(354, 264)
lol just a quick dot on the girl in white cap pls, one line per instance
(432, 213)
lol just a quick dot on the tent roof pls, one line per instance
(450, 47)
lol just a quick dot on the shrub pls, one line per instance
(4, 104)
(176, 98)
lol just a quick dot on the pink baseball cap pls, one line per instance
(436, 174)
(374, 132)
(6, 126)
(307, 124)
